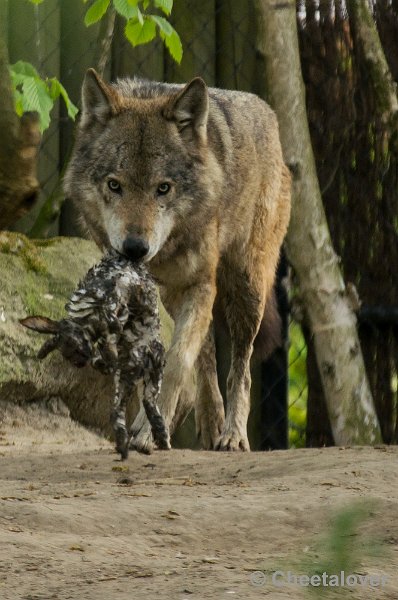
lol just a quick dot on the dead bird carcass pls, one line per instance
(113, 324)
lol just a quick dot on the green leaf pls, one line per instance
(174, 46)
(145, 4)
(126, 9)
(56, 89)
(140, 34)
(164, 5)
(35, 1)
(163, 24)
(96, 12)
(169, 36)
(24, 69)
(18, 103)
(31, 93)
(36, 97)
(17, 79)
(140, 16)
(70, 107)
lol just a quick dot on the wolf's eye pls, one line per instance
(114, 186)
(163, 189)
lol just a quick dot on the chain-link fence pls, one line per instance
(357, 174)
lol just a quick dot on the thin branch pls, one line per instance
(105, 38)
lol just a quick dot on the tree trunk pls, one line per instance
(19, 143)
(321, 286)
(365, 32)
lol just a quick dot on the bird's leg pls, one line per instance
(160, 431)
(118, 415)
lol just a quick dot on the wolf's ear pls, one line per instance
(40, 324)
(190, 108)
(96, 99)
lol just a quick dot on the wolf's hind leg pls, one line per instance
(244, 307)
(209, 406)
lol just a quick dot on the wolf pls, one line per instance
(191, 181)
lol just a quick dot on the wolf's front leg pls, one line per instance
(192, 313)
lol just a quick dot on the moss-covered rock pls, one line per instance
(37, 277)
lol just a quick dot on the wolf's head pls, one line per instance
(139, 173)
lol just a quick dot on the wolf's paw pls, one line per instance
(233, 441)
(209, 425)
(163, 442)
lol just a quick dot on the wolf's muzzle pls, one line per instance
(135, 248)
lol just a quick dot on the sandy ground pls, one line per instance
(77, 523)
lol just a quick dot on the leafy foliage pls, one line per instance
(32, 93)
(141, 27)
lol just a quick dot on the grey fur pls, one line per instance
(214, 238)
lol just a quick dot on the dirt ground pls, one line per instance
(77, 523)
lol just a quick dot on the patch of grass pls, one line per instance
(46, 243)
(20, 245)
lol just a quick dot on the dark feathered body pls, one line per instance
(113, 324)
(116, 304)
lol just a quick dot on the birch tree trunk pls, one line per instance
(365, 31)
(19, 143)
(309, 247)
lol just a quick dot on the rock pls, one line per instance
(37, 277)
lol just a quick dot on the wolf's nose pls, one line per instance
(135, 248)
